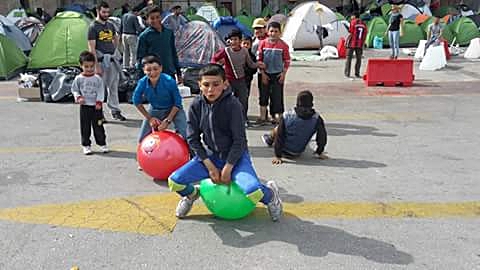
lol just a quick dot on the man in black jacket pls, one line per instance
(295, 129)
(216, 118)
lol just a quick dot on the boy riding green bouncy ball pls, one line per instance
(215, 119)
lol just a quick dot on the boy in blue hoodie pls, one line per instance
(215, 117)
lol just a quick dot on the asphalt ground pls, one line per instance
(400, 190)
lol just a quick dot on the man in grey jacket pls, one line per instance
(130, 29)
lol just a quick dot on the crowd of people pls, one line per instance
(217, 118)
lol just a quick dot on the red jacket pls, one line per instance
(358, 33)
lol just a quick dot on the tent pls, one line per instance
(465, 30)
(209, 12)
(246, 20)
(31, 27)
(409, 12)
(196, 43)
(224, 25)
(412, 34)
(16, 14)
(12, 59)
(10, 30)
(190, 11)
(376, 27)
(195, 17)
(80, 8)
(223, 11)
(280, 18)
(299, 32)
(267, 11)
(61, 42)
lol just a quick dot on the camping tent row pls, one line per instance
(463, 30)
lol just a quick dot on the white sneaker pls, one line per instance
(104, 149)
(275, 208)
(185, 204)
(87, 150)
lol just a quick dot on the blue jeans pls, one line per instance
(180, 122)
(243, 174)
(394, 39)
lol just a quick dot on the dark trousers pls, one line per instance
(273, 91)
(90, 118)
(358, 62)
(240, 90)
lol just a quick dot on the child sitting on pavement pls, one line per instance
(295, 129)
(215, 119)
(88, 91)
(161, 91)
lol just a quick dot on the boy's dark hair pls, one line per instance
(356, 14)
(305, 99)
(176, 7)
(247, 38)
(137, 9)
(154, 9)
(86, 56)
(102, 4)
(274, 25)
(235, 33)
(211, 70)
(150, 59)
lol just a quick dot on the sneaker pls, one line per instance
(185, 204)
(87, 150)
(104, 149)
(275, 208)
(267, 139)
(118, 116)
(358, 76)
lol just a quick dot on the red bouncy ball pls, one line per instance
(161, 153)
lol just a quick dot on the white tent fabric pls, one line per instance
(10, 30)
(299, 32)
(410, 12)
(328, 52)
(208, 12)
(16, 14)
(473, 50)
(434, 59)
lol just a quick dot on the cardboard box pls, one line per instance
(29, 94)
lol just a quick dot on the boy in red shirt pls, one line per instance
(236, 59)
(355, 42)
(274, 54)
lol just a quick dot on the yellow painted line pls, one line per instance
(154, 214)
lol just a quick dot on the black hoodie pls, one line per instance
(221, 126)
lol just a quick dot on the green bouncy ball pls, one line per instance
(225, 201)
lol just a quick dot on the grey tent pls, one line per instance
(10, 30)
(31, 27)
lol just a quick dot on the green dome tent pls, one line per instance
(376, 27)
(12, 59)
(285, 10)
(61, 42)
(412, 34)
(442, 11)
(446, 33)
(386, 10)
(267, 11)
(223, 11)
(195, 17)
(190, 11)
(247, 21)
(465, 30)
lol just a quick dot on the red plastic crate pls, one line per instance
(389, 72)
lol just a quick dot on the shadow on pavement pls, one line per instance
(131, 123)
(309, 238)
(119, 154)
(337, 129)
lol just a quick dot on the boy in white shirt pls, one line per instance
(88, 90)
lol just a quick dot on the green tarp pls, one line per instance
(465, 30)
(267, 11)
(223, 11)
(12, 58)
(61, 42)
